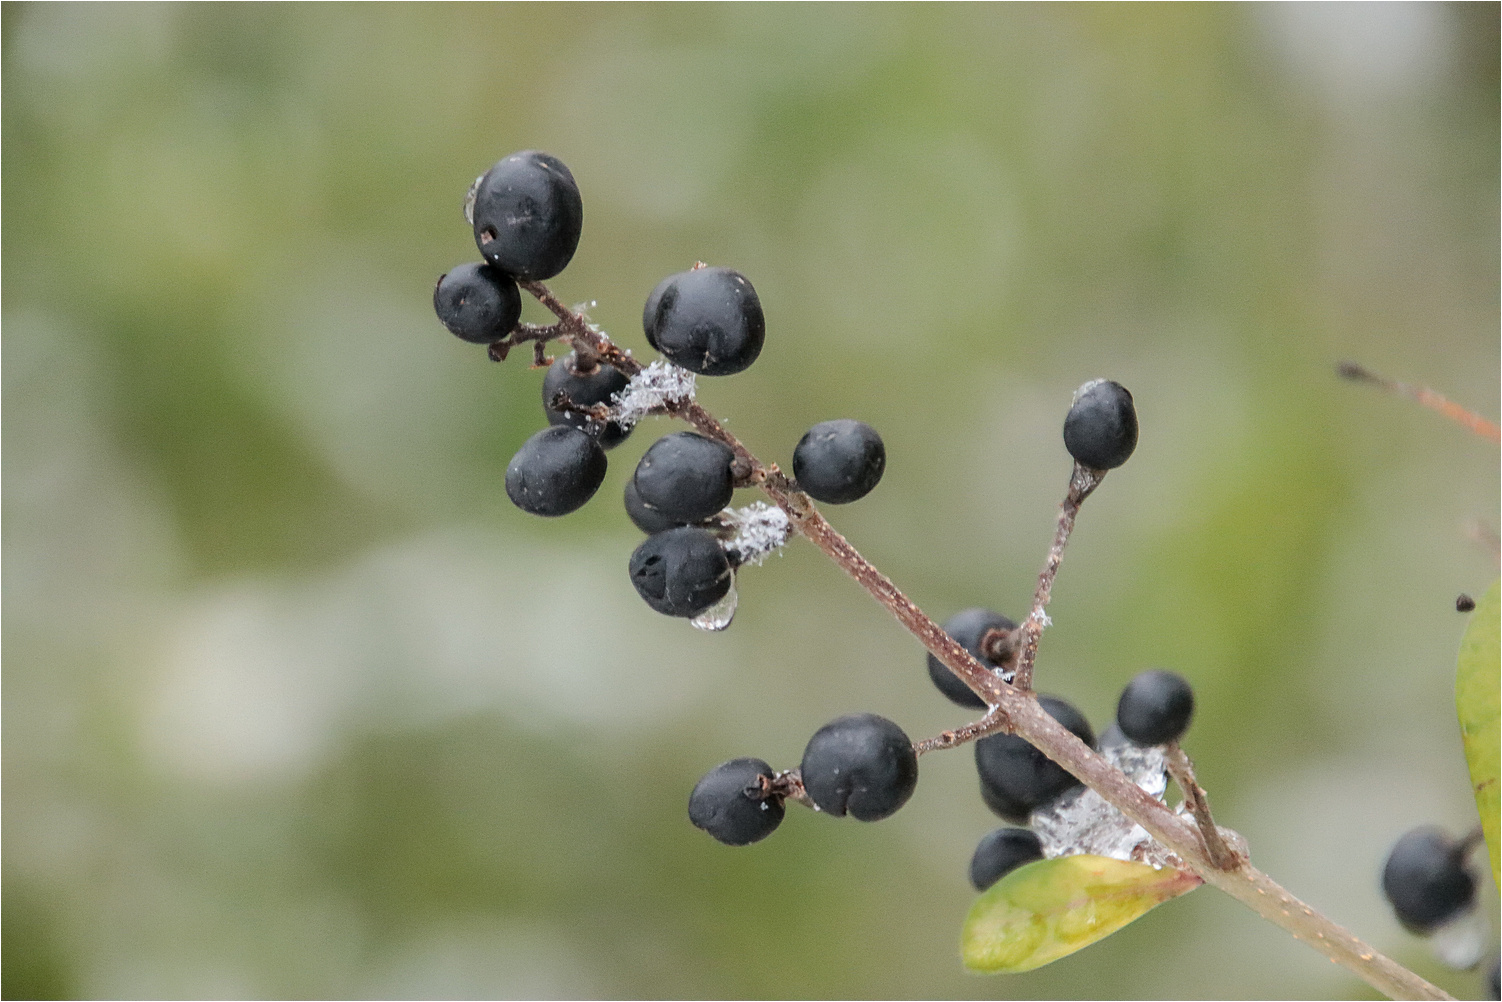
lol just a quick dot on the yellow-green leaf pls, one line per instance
(1477, 694)
(1053, 907)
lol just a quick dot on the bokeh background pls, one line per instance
(296, 704)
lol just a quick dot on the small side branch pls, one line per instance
(988, 724)
(1182, 771)
(1081, 482)
(1425, 397)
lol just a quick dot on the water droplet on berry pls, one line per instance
(469, 200)
(718, 616)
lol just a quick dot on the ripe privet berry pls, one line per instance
(707, 320)
(967, 627)
(839, 461)
(555, 471)
(584, 389)
(862, 765)
(1015, 777)
(528, 215)
(686, 477)
(681, 572)
(1101, 429)
(644, 516)
(1155, 707)
(1001, 852)
(1426, 879)
(729, 804)
(477, 303)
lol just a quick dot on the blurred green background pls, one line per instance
(296, 704)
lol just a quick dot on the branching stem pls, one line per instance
(1013, 708)
(1182, 771)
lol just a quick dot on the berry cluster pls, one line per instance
(527, 216)
(1017, 781)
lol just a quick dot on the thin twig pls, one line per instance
(1016, 711)
(1466, 419)
(1081, 482)
(1182, 771)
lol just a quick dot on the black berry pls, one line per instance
(1464, 603)
(644, 516)
(708, 320)
(528, 215)
(839, 461)
(555, 471)
(1001, 852)
(1017, 778)
(1101, 429)
(584, 389)
(967, 627)
(681, 572)
(1426, 880)
(729, 802)
(1155, 707)
(686, 477)
(861, 765)
(477, 303)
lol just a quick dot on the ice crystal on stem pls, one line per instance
(651, 390)
(759, 530)
(1083, 823)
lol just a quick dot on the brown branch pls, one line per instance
(1015, 710)
(1182, 771)
(1426, 397)
(1081, 482)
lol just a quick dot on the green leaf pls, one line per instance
(1477, 693)
(1053, 907)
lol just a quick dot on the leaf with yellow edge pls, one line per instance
(1050, 908)
(1478, 691)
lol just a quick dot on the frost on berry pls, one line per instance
(1082, 822)
(1461, 942)
(759, 530)
(469, 200)
(650, 390)
(718, 616)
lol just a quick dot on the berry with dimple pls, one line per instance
(839, 461)
(1016, 778)
(477, 303)
(528, 215)
(584, 389)
(555, 471)
(1001, 852)
(967, 627)
(1101, 429)
(686, 477)
(1155, 707)
(862, 765)
(1426, 880)
(730, 804)
(681, 572)
(707, 320)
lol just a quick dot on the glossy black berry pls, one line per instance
(584, 389)
(1001, 852)
(729, 803)
(477, 303)
(528, 215)
(644, 516)
(1155, 707)
(708, 320)
(1101, 429)
(1426, 879)
(685, 476)
(1017, 778)
(862, 765)
(555, 471)
(681, 572)
(967, 627)
(839, 461)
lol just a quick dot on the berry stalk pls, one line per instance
(1081, 482)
